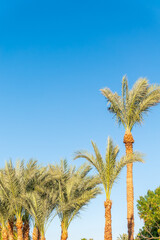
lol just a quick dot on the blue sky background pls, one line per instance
(54, 58)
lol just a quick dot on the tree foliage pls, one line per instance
(131, 106)
(149, 210)
(108, 168)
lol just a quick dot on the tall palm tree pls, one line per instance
(75, 189)
(129, 110)
(108, 170)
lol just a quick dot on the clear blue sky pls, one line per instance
(54, 58)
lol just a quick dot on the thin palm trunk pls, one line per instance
(10, 230)
(108, 220)
(4, 233)
(19, 225)
(35, 233)
(128, 140)
(64, 232)
(39, 235)
(26, 231)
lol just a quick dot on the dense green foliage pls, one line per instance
(149, 210)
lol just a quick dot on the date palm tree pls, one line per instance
(14, 183)
(108, 170)
(41, 209)
(129, 110)
(4, 216)
(75, 189)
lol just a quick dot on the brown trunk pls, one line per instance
(19, 225)
(26, 231)
(4, 233)
(128, 140)
(108, 220)
(35, 233)
(10, 230)
(64, 233)
(43, 238)
(39, 235)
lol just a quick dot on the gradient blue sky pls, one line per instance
(54, 58)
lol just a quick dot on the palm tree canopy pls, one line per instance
(108, 168)
(41, 209)
(131, 106)
(15, 182)
(75, 189)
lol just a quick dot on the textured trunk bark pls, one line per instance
(35, 233)
(10, 230)
(43, 238)
(64, 233)
(4, 233)
(39, 235)
(26, 231)
(19, 225)
(128, 140)
(108, 220)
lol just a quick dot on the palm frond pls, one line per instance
(109, 168)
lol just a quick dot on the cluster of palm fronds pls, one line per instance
(30, 194)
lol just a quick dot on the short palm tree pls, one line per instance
(108, 170)
(14, 183)
(41, 209)
(4, 216)
(26, 225)
(75, 189)
(129, 110)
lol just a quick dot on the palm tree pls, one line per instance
(75, 189)
(15, 182)
(108, 170)
(26, 225)
(11, 190)
(129, 110)
(10, 226)
(41, 208)
(4, 216)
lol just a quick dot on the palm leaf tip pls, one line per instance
(135, 157)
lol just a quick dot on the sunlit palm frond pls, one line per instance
(115, 105)
(110, 168)
(130, 107)
(74, 191)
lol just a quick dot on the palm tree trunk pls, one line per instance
(19, 225)
(35, 233)
(64, 232)
(10, 230)
(39, 235)
(4, 233)
(108, 220)
(128, 140)
(43, 238)
(26, 230)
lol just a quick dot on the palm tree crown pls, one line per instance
(108, 168)
(75, 189)
(130, 107)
